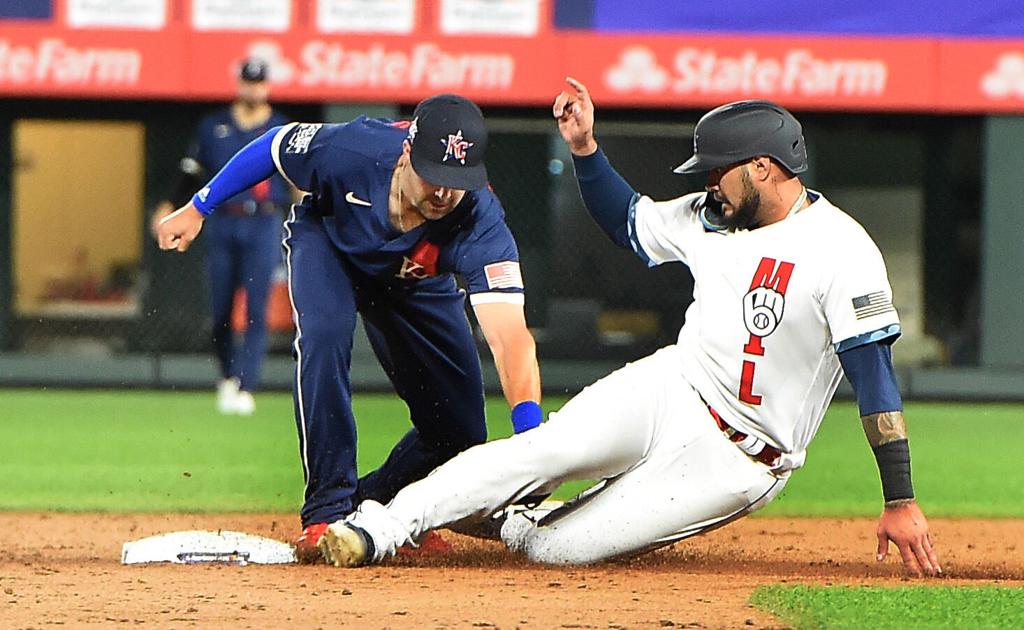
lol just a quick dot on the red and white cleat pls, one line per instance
(307, 550)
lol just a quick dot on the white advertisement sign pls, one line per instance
(490, 17)
(241, 15)
(138, 14)
(366, 16)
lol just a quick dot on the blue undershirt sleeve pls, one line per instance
(606, 194)
(869, 368)
(250, 166)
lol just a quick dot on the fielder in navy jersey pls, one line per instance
(245, 234)
(391, 211)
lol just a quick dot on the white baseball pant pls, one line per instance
(668, 473)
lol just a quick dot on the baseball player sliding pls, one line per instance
(789, 292)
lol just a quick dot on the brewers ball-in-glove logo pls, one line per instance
(762, 310)
(765, 302)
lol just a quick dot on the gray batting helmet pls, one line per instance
(745, 129)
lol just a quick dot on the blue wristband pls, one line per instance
(526, 415)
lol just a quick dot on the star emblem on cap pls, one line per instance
(455, 147)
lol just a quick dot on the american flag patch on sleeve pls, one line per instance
(872, 304)
(504, 275)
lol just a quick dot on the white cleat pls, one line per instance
(244, 403)
(344, 545)
(227, 392)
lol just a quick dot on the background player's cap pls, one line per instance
(253, 69)
(746, 129)
(449, 138)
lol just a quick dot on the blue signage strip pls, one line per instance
(929, 18)
(26, 9)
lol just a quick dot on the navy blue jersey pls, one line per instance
(346, 170)
(219, 137)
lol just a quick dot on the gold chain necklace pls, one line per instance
(400, 210)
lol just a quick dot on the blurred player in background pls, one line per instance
(244, 237)
(392, 210)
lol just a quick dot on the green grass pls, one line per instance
(908, 608)
(965, 461)
(170, 451)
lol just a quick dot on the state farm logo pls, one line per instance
(704, 71)
(424, 65)
(52, 61)
(637, 69)
(1007, 78)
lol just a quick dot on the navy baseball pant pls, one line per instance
(241, 251)
(423, 340)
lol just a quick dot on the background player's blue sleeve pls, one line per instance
(606, 194)
(245, 169)
(869, 368)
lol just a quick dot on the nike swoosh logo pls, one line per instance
(351, 198)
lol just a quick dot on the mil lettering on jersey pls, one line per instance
(421, 262)
(763, 307)
(455, 147)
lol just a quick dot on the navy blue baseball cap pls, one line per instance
(449, 138)
(253, 69)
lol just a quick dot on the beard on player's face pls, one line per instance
(739, 213)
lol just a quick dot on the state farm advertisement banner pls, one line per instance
(982, 76)
(809, 73)
(816, 73)
(38, 61)
(374, 68)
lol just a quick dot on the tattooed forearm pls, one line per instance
(882, 428)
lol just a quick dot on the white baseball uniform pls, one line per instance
(772, 307)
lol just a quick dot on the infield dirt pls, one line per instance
(64, 570)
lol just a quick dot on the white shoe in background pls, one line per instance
(244, 403)
(227, 392)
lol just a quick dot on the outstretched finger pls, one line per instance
(922, 558)
(909, 559)
(579, 87)
(933, 557)
(561, 101)
(883, 546)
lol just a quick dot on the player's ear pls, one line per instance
(762, 167)
(406, 147)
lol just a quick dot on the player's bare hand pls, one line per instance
(162, 211)
(575, 114)
(178, 229)
(907, 528)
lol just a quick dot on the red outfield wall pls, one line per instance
(173, 58)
